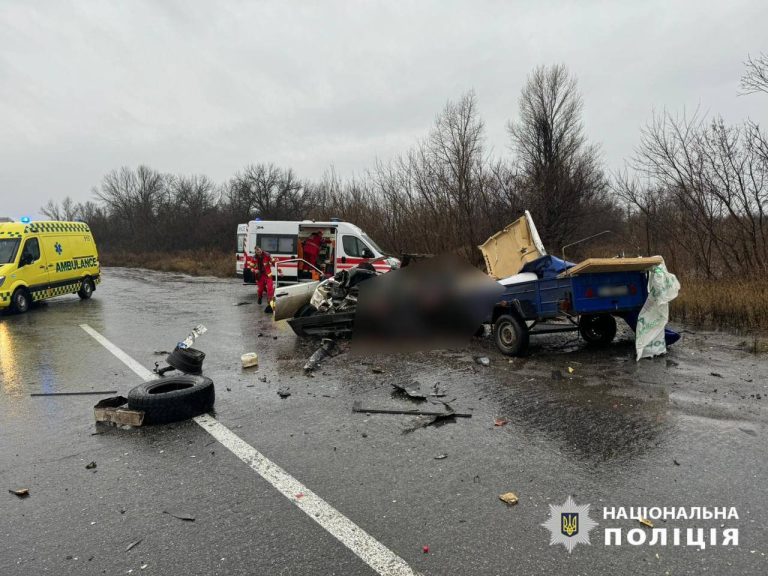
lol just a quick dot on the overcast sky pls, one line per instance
(208, 87)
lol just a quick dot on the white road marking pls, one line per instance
(365, 546)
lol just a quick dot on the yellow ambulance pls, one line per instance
(40, 260)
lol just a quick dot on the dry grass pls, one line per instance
(192, 262)
(740, 305)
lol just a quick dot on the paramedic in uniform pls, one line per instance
(262, 268)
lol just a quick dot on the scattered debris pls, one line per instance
(74, 393)
(180, 516)
(500, 422)
(377, 370)
(676, 462)
(327, 348)
(110, 411)
(570, 370)
(283, 393)
(483, 360)
(645, 522)
(748, 431)
(716, 374)
(249, 359)
(90, 466)
(161, 352)
(425, 549)
(412, 389)
(133, 545)
(241, 303)
(190, 339)
(21, 492)
(441, 456)
(356, 407)
(509, 498)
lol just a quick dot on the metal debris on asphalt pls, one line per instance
(283, 393)
(90, 466)
(356, 407)
(327, 348)
(500, 422)
(483, 360)
(83, 393)
(21, 492)
(441, 456)
(133, 545)
(180, 515)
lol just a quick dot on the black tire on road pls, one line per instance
(511, 335)
(598, 329)
(20, 300)
(172, 399)
(86, 289)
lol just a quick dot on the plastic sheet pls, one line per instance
(663, 287)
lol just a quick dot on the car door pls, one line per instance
(33, 268)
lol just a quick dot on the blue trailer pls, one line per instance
(587, 303)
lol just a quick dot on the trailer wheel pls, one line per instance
(511, 335)
(173, 398)
(597, 329)
(86, 289)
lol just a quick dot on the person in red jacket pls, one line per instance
(262, 269)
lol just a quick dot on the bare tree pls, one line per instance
(66, 211)
(561, 176)
(755, 77)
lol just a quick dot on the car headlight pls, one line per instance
(394, 263)
(2, 279)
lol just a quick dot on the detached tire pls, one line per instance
(597, 329)
(511, 335)
(172, 399)
(86, 289)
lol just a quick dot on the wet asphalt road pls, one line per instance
(665, 432)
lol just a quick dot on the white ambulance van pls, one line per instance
(342, 245)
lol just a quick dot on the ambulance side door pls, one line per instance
(33, 267)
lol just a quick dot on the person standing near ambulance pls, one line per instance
(262, 268)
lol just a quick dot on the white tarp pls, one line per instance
(649, 334)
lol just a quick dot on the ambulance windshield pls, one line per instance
(8, 247)
(372, 244)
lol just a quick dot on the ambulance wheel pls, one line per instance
(86, 289)
(511, 335)
(598, 328)
(173, 398)
(20, 301)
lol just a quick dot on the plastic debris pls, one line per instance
(654, 315)
(21, 492)
(645, 522)
(441, 456)
(483, 360)
(249, 359)
(189, 340)
(283, 393)
(509, 498)
(425, 549)
(570, 370)
(500, 422)
(90, 466)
